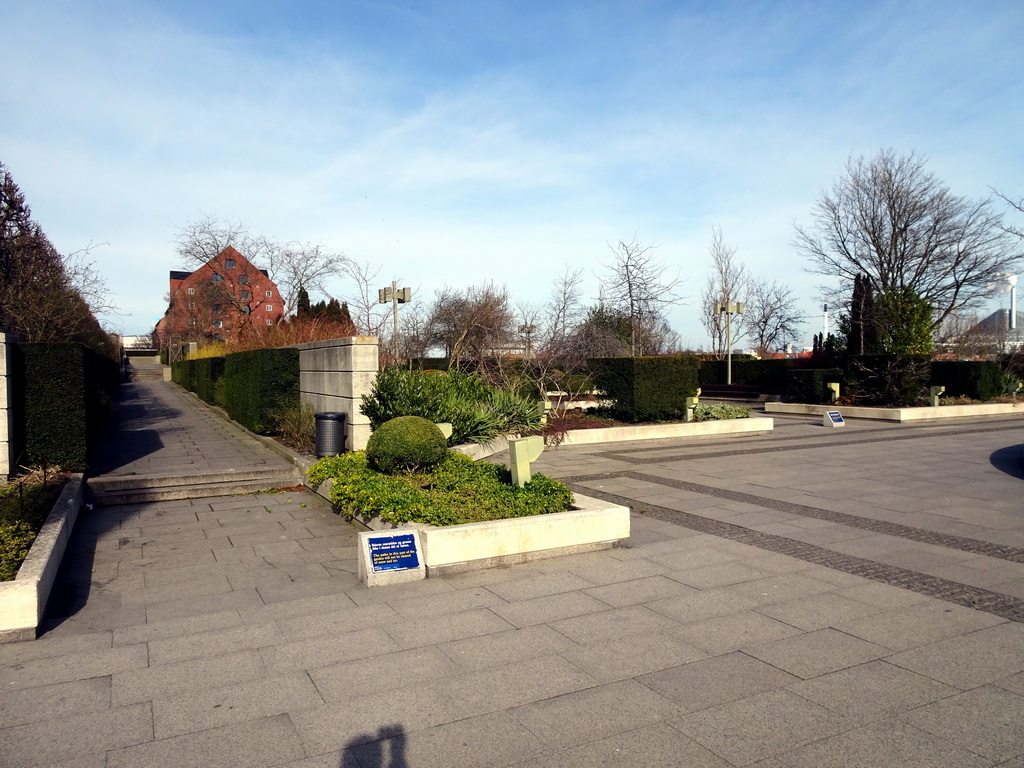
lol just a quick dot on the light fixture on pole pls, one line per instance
(396, 296)
(730, 308)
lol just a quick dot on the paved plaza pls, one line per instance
(809, 598)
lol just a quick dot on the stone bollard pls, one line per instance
(521, 451)
(933, 393)
(833, 387)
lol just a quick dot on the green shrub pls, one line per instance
(457, 490)
(405, 443)
(646, 388)
(24, 507)
(976, 379)
(717, 411)
(295, 424)
(477, 411)
(889, 380)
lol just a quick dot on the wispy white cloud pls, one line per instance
(457, 142)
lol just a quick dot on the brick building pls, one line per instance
(220, 300)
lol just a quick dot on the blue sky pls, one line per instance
(459, 142)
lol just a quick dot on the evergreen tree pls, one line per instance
(302, 306)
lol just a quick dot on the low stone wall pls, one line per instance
(718, 428)
(23, 601)
(590, 525)
(334, 375)
(899, 414)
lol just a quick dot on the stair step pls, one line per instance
(192, 490)
(115, 482)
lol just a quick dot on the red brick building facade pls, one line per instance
(223, 298)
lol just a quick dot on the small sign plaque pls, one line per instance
(393, 553)
(834, 419)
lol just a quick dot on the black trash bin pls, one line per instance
(330, 433)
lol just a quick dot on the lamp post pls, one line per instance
(729, 308)
(396, 296)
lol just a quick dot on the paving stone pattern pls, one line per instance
(731, 631)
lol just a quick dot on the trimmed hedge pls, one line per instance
(807, 385)
(766, 374)
(69, 391)
(977, 379)
(646, 388)
(207, 371)
(258, 384)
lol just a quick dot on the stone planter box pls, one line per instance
(752, 425)
(899, 414)
(590, 525)
(23, 601)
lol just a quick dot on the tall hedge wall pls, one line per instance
(69, 391)
(646, 388)
(207, 371)
(767, 374)
(977, 379)
(807, 385)
(258, 383)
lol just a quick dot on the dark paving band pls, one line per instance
(997, 604)
(921, 535)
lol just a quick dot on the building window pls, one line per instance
(216, 278)
(247, 310)
(269, 294)
(191, 291)
(270, 307)
(244, 295)
(229, 263)
(191, 305)
(218, 323)
(270, 322)
(216, 309)
(244, 279)
(191, 321)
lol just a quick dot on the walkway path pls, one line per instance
(163, 438)
(734, 630)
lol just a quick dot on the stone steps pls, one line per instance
(108, 490)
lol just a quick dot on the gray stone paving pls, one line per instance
(233, 632)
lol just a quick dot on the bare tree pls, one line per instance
(727, 282)
(638, 286)
(771, 318)
(1016, 205)
(370, 316)
(891, 220)
(292, 266)
(472, 324)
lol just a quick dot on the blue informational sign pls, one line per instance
(837, 418)
(393, 553)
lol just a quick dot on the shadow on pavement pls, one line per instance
(1009, 460)
(385, 749)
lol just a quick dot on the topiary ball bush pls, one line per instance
(405, 443)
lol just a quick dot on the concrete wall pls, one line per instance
(8, 446)
(334, 375)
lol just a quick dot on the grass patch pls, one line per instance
(24, 506)
(458, 490)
